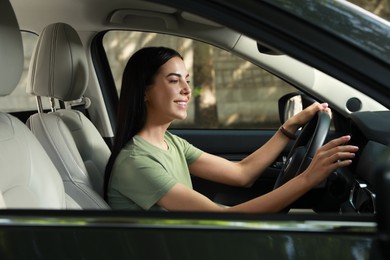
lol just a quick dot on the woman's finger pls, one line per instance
(336, 142)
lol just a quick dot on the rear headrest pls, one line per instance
(59, 65)
(11, 49)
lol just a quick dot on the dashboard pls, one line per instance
(370, 131)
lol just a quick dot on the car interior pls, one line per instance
(57, 154)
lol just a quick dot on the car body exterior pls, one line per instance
(331, 51)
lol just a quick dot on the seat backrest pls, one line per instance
(59, 70)
(28, 179)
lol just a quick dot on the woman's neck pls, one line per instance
(155, 135)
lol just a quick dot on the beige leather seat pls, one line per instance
(28, 179)
(59, 70)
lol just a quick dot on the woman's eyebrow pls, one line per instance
(177, 75)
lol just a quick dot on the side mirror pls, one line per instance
(292, 103)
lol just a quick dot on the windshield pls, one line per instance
(380, 8)
(346, 20)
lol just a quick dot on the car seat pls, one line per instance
(59, 70)
(28, 179)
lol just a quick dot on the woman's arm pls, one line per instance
(327, 159)
(245, 172)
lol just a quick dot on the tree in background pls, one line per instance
(205, 101)
(378, 7)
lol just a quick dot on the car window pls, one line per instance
(228, 92)
(19, 100)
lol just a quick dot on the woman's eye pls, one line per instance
(173, 81)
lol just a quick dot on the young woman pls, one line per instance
(150, 168)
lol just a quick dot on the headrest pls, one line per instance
(11, 49)
(58, 67)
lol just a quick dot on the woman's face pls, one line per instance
(167, 98)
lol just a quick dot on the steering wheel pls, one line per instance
(309, 140)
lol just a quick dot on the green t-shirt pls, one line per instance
(143, 173)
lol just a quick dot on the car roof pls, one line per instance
(90, 15)
(93, 16)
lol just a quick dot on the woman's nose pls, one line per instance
(186, 89)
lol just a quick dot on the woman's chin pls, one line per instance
(181, 116)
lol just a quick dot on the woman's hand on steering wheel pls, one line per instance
(316, 121)
(303, 117)
(308, 156)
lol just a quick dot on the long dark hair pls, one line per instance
(139, 73)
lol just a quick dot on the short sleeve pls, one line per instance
(191, 153)
(145, 184)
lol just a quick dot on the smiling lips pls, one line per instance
(182, 103)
